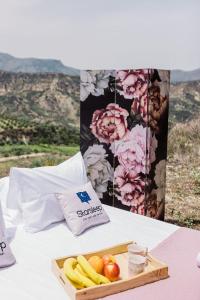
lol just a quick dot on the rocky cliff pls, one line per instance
(40, 97)
(39, 108)
(184, 101)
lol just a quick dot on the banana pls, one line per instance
(76, 285)
(103, 279)
(80, 270)
(85, 280)
(69, 265)
(81, 274)
(91, 273)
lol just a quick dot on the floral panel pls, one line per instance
(124, 121)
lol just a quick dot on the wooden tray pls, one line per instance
(155, 270)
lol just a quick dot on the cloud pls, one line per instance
(103, 34)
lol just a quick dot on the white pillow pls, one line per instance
(41, 212)
(8, 214)
(82, 208)
(31, 191)
(4, 185)
(6, 256)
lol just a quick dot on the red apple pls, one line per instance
(112, 271)
(108, 258)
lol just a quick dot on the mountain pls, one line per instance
(39, 108)
(184, 101)
(34, 65)
(40, 97)
(180, 75)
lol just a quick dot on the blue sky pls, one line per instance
(104, 34)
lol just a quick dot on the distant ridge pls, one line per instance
(183, 76)
(10, 63)
(34, 65)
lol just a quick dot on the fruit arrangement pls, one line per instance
(92, 274)
(83, 273)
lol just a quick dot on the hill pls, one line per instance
(180, 75)
(39, 108)
(40, 97)
(184, 101)
(34, 65)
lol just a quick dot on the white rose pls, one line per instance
(93, 82)
(98, 168)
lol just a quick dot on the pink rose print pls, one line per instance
(140, 209)
(109, 124)
(136, 151)
(158, 105)
(132, 84)
(130, 187)
(140, 106)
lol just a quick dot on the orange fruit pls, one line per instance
(108, 258)
(97, 263)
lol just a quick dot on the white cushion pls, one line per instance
(82, 208)
(31, 191)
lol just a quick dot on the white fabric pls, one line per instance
(82, 208)
(41, 212)
(30, 188)
(6, 257)
(32, 278)
(4, 185)
(8, 214)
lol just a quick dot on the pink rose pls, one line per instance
(136, 151)
(140, 209)
(132, 84)
(130, 187)
(140, 106)
(109, 124)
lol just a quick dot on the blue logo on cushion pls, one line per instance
(84, 197)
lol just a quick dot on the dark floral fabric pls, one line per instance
(124, 124)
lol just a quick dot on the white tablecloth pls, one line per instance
(32, 279)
